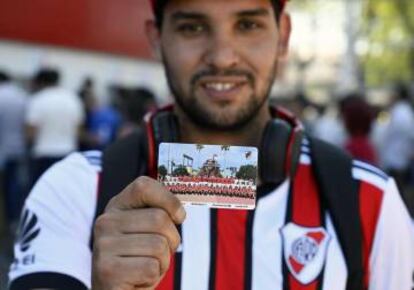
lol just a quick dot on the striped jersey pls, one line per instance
(222, 249)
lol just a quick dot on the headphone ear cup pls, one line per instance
(274, 151)
(161, 126)
(165, 128)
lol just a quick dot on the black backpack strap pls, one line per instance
(122, 162)
(333, 172)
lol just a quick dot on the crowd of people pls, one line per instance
(41, 122)
(381, 136)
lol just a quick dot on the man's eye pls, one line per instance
(191, 29)
(246, 25)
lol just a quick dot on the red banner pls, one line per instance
(112, 26)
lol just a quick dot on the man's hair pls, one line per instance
(357, 114)
(160, 5)
(401, 91)
(46, 77)
(4, 77)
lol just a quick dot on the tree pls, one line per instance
(247, 172)
(388, 31)
(162, 171)
(199, 147)
(225, 148)
(180, 170)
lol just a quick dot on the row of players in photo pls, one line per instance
(206, 179)
(225, 191)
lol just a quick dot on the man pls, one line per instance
(102, 122)
(398, 141)
(53, 121)
(220, 58)
(13, 101)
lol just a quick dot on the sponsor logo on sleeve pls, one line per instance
(304, 251)
(28, 230)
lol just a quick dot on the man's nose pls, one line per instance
(222, 53)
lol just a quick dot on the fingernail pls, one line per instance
(181, 214)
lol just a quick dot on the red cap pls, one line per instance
(154, 2)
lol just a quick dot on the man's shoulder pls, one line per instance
(93, 158)
(58, 214)
(370, 174)
(88, 162)
(361, 170)
(69, 183)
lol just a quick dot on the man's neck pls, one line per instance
(249, 135)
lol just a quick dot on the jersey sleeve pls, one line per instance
(392, 256)
(55, 227)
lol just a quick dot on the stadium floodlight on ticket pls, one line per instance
(218, 176)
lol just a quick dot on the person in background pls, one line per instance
(136, 103)
(358, 117)
(53, 121)
(398, 143)
(101, 123)
(13, 101)
(329, 127)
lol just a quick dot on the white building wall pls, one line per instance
(23, 60)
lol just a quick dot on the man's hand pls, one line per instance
(135, 237)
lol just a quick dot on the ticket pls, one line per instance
(217, 176)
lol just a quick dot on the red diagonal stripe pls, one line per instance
(317, 236)
(297, 267)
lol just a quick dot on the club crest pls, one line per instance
(304, 251)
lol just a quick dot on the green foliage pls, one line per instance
(162, 171)
(199, 147)
(388, 30)
(225, 148)
(247, 172)
(180, 170)
(308, 5)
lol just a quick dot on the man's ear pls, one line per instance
(285, 27)
(154, 38)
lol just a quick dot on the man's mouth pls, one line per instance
(226, 89)
(220, 86)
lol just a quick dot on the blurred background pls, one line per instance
(349, 76)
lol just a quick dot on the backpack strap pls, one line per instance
(339, 191)
(122, 162)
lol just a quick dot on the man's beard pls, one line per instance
(207, 119)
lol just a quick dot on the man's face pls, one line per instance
(220, 58)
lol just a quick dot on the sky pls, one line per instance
(235, 157)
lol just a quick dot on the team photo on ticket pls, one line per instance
(218, 176)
